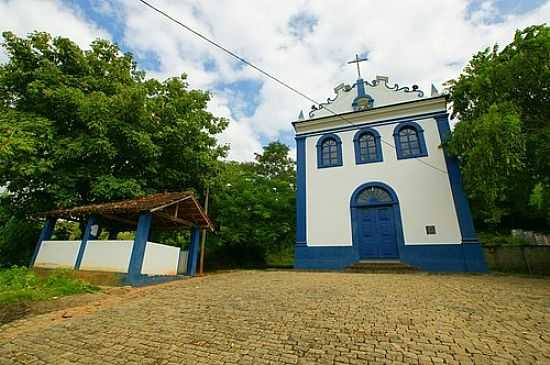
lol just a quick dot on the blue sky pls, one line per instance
(306, 43)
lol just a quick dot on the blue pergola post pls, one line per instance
(85, 238)
(45, 234)
(138, 250)
(193, 251)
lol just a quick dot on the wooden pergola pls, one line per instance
(170, 211)
(162, 211)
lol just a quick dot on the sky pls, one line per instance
(305, 43)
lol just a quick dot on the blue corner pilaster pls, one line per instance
(138, 249)
(474, 260)
(85, 238)
(193, 251)
(300, 190)
(462, 206)
(45, 234)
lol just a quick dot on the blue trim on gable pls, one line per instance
(417, 117)
(319, 145)
(83, 243)
(138, 249)
(357, 149)
(45, 234)
(360, 87)
(421, 140)
(300, 190)
(361, 95)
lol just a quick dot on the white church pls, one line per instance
(373, 182)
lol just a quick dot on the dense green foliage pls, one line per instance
(501, 239)
(80, 126)
(502, 101)
(253, 206)
(21, 284)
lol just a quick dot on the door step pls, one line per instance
(380, 266)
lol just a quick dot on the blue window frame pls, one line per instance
(409, 141)
(367, 146)
(329, 151)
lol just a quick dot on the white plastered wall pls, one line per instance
(54, 254)
(424, 193)
(107, 255)
(160, 259)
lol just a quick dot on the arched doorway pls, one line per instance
(376, 222)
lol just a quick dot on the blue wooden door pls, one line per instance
(377, 239)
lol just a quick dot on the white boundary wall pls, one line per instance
(54, 254)
(108, 255)
(160, 259)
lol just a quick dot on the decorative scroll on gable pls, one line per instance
(369, 95)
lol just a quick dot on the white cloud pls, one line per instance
(412, 42)
(25, 16)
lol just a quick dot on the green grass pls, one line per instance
(21, 284)
(284, 257)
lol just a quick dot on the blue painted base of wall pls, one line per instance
(324, 258)
(467, 257)
(144, 280)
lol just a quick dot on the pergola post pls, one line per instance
(45, 234)
(193, 251)
(138, 249)
(88, 235)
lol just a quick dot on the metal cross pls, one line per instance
(356, 61)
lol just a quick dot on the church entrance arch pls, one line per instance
(376, 221)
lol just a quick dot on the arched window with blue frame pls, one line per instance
(367, 146)
(329, 151)
(409, 140)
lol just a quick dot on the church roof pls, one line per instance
(364, 95)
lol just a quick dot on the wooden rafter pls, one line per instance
(172, 210)
(171, 203)
(119, 219)
(173, 219)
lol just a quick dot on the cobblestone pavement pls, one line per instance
(275, 317)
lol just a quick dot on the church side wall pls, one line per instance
(424, 193)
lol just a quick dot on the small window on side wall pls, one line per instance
(329, 151)
(409, 141)
(367, 146)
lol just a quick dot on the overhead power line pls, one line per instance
(267, 74)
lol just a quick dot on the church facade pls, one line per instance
(373, 183)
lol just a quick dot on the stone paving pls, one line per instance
(284, 317)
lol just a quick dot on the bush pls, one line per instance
(21, 284)
(500, 239)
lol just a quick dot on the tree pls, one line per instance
(502, 138)
(253, 205)
(83, 126)
(275, 162)
(80, 126)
